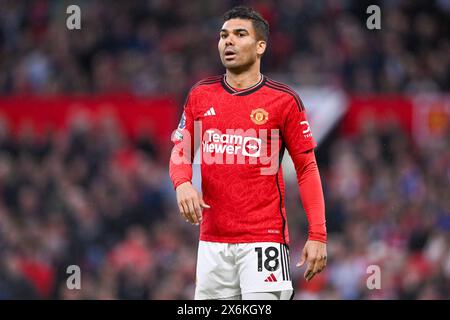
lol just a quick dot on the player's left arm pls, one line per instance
(315, 250)
(299, 142)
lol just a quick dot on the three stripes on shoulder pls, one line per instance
(210, 112)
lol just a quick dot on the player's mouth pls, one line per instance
(230, 54)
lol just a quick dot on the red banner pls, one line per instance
(431, 118)
(133, 114)
(381, 110)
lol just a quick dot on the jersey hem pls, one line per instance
(243, 240)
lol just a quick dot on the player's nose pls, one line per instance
(229, 41)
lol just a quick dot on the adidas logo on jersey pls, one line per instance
(210, 112)
(271, 278)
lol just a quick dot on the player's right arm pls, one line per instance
(189, 200)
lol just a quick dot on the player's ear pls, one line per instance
(261, 47)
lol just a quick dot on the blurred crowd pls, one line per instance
(96, 199)
(388, 211)
(164, 46)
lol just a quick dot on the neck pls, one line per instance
(243, 80)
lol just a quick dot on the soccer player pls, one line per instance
(245, 121)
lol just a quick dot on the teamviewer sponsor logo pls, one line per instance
(232, 144)
(235, 146)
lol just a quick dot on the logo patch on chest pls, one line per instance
(259, 116)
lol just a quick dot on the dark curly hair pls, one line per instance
(241, 12)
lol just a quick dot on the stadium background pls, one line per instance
(85, 123)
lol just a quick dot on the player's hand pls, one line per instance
(315, 253)
(190, 203)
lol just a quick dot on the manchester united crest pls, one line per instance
(259, 116)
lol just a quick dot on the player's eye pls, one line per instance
(223, 36)
(241, 34)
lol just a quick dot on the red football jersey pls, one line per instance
(242, 136)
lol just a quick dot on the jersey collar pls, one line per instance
(244, 92)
